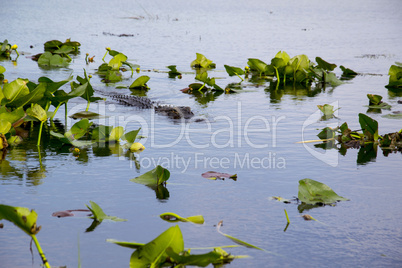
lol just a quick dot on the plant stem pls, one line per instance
(88, 106)
(103, 59)
(240, 77)
(42, 255)
(287, 217)
(65, 114)
(40, 133)
(201, 87)
(277, 75)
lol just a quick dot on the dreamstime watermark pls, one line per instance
(232, 131)
(200, 160)
(329, 157)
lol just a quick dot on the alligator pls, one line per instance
(173, 112)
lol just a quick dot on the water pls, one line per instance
(364, 231)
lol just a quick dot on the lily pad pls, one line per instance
(153, 254)
(157, 176)
(99, 215)
(87, 114)
(202, 62)
(140, 83)
(314, 192)
(22, 217)
(172, 217)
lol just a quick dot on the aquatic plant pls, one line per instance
(395, 76)
(24, 219)
(6, 49)
(173, 217)
(314, 192)
(202, 62)
(168, 250)
(111, 71)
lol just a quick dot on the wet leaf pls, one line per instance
(5, 126)
(130, 136)
(202, 62)
(325, 65)
(87, 114)
(369, 127)
(79, 129)
(346, 72)
(153, 177)
(327, 109)
(99, 215)
(15, 90)
(172, 217)
(153, 254)
(37, 112)
(232, 71)
(314, 192)
(22, 217)
(140, 82)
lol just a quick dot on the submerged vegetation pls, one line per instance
(25, 107)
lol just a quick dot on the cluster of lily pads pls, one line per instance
(23, 102)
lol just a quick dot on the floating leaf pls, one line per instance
(395, 77)
(202, 62)
(314, 192)
(258, 66)
(130, 136)
(327, 109)
(87, 114)
(325, 65)
(157, 176)
(99, 215)
(347, 72)
(172, 217)
(369, 127)
(140, 82)
(117, 61)
(232, 71)
(153, 254)
(79, 129)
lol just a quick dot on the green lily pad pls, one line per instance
(153, 254)
(314, 192)
(87, 114)
(327, 109)
(22, 217)
(155, 177)
(140, 82)
(172, 217)
(369, 127)
(202, 62)
(99, 215)
(325, 65)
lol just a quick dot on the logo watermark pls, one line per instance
(329, 157)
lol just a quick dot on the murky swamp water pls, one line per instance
(252, 133)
